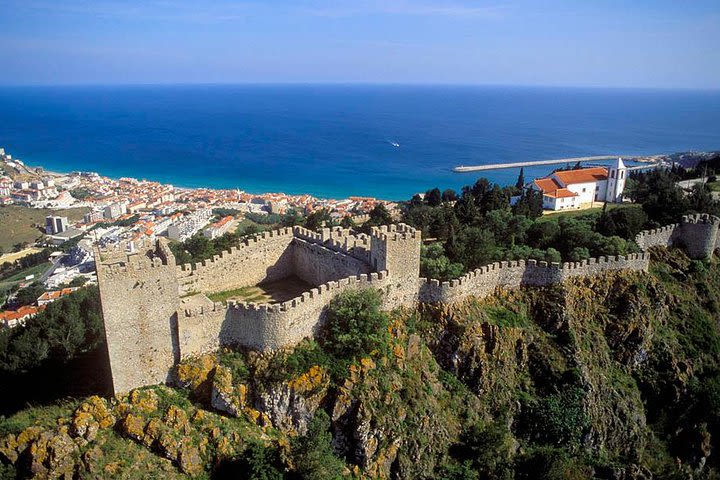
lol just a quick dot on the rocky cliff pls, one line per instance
(615, 376)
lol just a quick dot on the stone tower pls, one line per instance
(139, 296)
(617, 174)
(698, 235)
(396, 248)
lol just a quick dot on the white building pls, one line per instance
(5, 186)
(189, 225)
(114, 210)
(55, 225)
(219, 228)
(573, 189)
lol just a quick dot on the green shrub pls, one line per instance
(559, 418)
(313, 453)
(285, 366)
(235, 362)
(67, 327)
(355, 326)
(551, 463)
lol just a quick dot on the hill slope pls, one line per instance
(616, 376)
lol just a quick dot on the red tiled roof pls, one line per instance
(54, 295)
(21, 313)
(582, 175)
(551, 188)
(223, 221)
(547, 184)
(561, 193)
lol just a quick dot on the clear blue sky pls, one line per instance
(631, 43)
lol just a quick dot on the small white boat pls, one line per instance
(395, 144)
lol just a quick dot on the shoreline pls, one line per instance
(471, 175)
(56, 173)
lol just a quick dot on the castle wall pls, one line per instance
(317, 264)
(485, 280)
(139, 298)
(265, 326)
(199, 329)
(263, 259)
(148, 330)
(339, 240)
(697, 234)
(396, 248)
(658, 237)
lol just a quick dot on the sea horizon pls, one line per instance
(387, 141)
(362, 84)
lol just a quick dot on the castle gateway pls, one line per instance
(157, 313)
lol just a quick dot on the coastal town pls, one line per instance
(85, 209)
(135, 211)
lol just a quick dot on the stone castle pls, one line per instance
(157, 312)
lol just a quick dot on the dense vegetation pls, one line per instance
(616, 376)
(65, 328)
(64, 342)
(664, 202)
(479, 226)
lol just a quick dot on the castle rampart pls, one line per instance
(268, 326)
(265, 258)
(317, 264)
(485, 280)
(698, 234)
(156, 312)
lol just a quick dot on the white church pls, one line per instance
(574, 189)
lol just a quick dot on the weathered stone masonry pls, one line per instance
(697, 234)
(157, 312)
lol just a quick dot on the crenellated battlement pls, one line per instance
(265, 326)
(199, 310)
(322, 294)
(697, 234)
(513, 274)
(701, 218)
(128, 258)
(166, 307)
(248, 244)
(397, 232)
(338, 239)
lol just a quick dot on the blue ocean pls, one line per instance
(336, 141)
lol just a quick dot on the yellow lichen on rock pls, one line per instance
(84, 425)
(189, 458)
(133, 426)
(196, 374)
(177, 419)
(51, 455)
(98, 408)
(153, 430)
(144, 400)
(314, 378)
(8, 449)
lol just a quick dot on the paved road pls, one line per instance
(692, 182)
(50, 270)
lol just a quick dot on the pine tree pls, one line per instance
(521, 179)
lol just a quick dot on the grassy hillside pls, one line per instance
(616, 376)
(25, 225)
